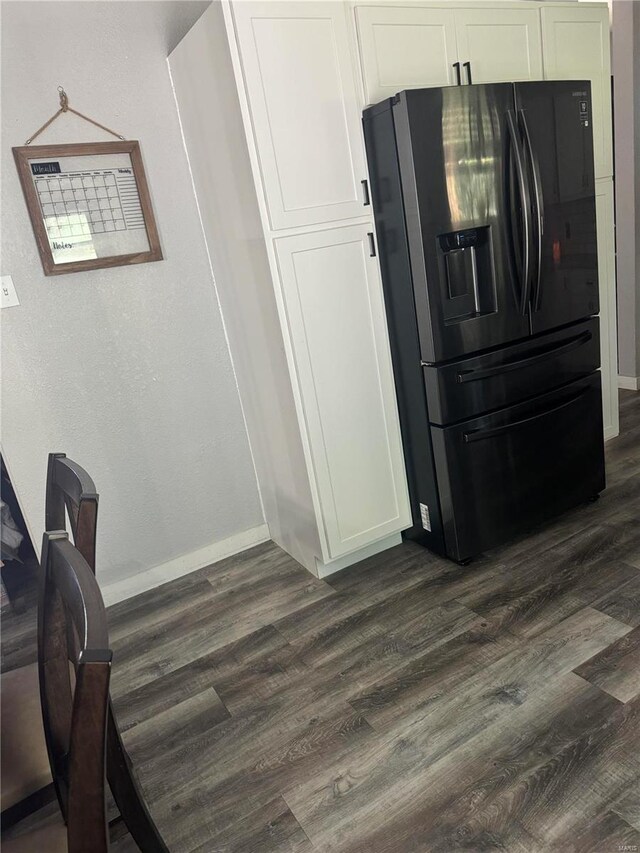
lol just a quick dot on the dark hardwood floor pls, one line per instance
(405, 704)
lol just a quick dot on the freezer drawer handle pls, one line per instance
(372, 244)
(482, 434)
(517, 364)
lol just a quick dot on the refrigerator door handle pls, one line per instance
(467, 67)
(525, 201)
(456, 65)
(482, 434)
(516, 364)
(539, 206)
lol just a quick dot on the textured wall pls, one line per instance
(126, 370)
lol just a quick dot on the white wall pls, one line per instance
(126, 370)
(626, 91)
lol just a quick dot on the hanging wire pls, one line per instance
(64, 108)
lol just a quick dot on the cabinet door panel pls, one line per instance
(335, 313)
(502, 45)
(304, 109)
(608, 332)
(405, 48)
(576, 47)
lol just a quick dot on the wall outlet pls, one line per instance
(9, 297)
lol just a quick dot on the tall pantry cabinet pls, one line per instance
(299, 94)
(270, 96)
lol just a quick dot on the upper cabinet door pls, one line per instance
(304, 108)
(576, 47)
(405, 48)
(336, 323)
(501, 45)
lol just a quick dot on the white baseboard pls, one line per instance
(629, 383)
(183, 565)
(611, 432)
(326, 569)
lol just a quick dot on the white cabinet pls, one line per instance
(576, 47)
(409, 47)
(316, 315)
(296, 75)
(501, 45)
(336, 324)
(607, 281)
(305, 110)
(405, 48)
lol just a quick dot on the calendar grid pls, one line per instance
(86, 203)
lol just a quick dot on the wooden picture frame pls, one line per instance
(87, 208)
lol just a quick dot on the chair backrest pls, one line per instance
(75, 714)
(69, 486)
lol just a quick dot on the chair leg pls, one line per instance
(127, 794)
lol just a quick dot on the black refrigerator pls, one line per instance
(484, 204)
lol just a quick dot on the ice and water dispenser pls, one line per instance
(467, 274)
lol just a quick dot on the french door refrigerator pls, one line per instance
(484, 204)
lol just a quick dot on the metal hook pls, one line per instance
(64, 100)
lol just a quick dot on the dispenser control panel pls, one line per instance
(459, 240)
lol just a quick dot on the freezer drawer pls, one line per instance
(484, 383)
(507, 472)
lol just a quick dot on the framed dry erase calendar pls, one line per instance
(89, 205)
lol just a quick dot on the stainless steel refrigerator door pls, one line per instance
(464, 225)
(555, 120)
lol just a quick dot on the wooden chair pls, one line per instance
(74, 714)
(26, 778)
(70, 487)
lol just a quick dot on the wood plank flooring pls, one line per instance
(405, 704)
